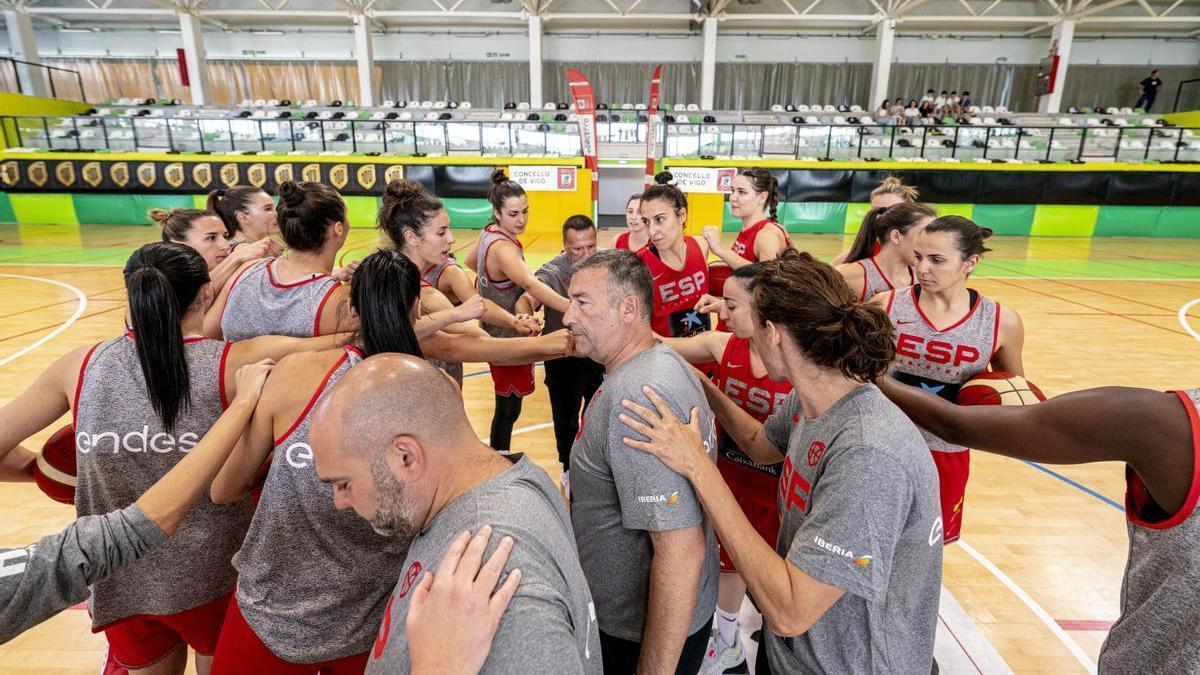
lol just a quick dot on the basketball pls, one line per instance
(718, 272)
(999, 388)
(54, 472)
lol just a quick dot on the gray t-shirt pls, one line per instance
(556, 274)
(42, 579)
(619, 495)
(859, 502)
(550, 624)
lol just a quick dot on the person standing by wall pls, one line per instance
(1149, 91)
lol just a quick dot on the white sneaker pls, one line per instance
(566, 484)
(721, 657)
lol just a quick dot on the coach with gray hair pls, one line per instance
(646, 547)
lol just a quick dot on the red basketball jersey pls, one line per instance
(744, 244)
(677, 292)
(759, 396)
(622, 241)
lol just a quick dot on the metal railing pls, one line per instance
(13, 81)
(1187, 95)
(557, 139)
(933, 142)
(209, 135)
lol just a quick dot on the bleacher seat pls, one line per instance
(987, 109)
(274, 103)
(1001, 109)
(801, 108)
(692, 107)
(777, 108)
(828, 108)
(856, 108)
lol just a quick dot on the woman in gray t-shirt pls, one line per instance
(846, 598)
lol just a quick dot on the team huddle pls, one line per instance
(275, 467)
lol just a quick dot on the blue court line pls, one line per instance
(1074, 484)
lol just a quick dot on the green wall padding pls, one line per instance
(1059, 220)
(200, 201)
(6, 209)
(855, 212)
(1005, 218)
(1179, 221)
(53, 208)
(362, 210)
(964, 210)
(813, 216)
(1127, 221)
(124, 208)
(471, 214)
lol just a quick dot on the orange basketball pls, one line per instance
(55, 470)
(718, 272)
(999, 388)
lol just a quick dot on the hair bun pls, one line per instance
(161, 216)
(664, 178)
(986, 232)
(498, 176)
(291, 193)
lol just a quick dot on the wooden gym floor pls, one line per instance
(1038, 570)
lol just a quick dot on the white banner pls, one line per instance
(544, 178)
(703, 179)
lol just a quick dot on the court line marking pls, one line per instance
(1076, 485)
(524, 430)
(79, 309)
(1038, 611)
(1183, 318)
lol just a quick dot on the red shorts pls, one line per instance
(754, 491)
(241, 651)
(509, 380)
(953, 469)
(142, 640)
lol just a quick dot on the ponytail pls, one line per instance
(177, 222)
(969, 237)
(162, 281)
(407, 206)
(879, 222)
(306, 210)
(812, 304)
(383, 292)
(502, 189)
(227, 203)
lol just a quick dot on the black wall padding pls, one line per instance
(946, 187)
(865, 181)
(1140, 188)
(807, 185)
(1068, 187)
(1187, 190)
(1010, 187)
(784, 177)
(423, 175)
(471, 182)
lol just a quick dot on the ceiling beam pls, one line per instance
(1171, 8)
(990, 7)
(1100, 8)
(966, 5)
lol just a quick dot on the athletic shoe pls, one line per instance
(722, 657)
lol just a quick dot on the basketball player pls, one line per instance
(677, 262)
(854, 581)
(646, 548)
(890, 191)
(1157, 436)
(291, 615)
(249, 216)
(394, 442)
(41, 580)
(499, 260)
(754, 194)
(740, 375)
(140, 403)
(417, 223)
(635, 237)
(892, 231)
(946, 334)
(295, 295)
(204, 231)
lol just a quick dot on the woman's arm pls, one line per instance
(212, 317)
(1011, 341)
(855, 276)
(274, 348)
(700, 348)
(499, 351)
(711, 236)
(455, 280)
(514, 268)
(769, 243)
(747, 433)
(335, 316)
(43, 402)
(242, 254)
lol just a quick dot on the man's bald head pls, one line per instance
(389, 395)
(385, 437)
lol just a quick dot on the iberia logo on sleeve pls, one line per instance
(670, 500)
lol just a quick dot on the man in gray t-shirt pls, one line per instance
(393, 439)
(644, 542)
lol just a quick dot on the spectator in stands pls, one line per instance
(911, 113)
(897, 109)
(927, 103)
(1149, 89)
(883, 112)
(953, 103)
(966, 101)
(939, 104)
